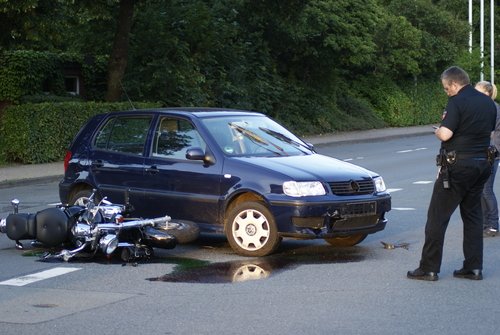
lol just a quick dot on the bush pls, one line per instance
(39, 98)
(358, 114)
(41, 133)
(408, 103)
(311, 110)
(429, 100)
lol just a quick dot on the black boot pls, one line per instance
(468, 274)
(422, 275)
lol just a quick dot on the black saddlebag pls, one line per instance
(21, 226)
(52, 226)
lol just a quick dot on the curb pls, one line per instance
(369, 135)
(29, 181)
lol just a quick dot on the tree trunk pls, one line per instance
(118, 58)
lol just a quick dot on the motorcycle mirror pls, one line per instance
(3, 226)
(15, 204)
(92, 195)
(105, 201)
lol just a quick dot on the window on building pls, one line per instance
(72, 85)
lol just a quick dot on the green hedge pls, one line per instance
(41, 133)
(408, 103)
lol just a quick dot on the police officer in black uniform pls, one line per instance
(464, 167)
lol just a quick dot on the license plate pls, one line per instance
(360, 209)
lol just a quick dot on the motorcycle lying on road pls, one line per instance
(87, 228)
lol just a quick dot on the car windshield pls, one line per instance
(254, 136)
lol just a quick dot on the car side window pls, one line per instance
(124, 134)
(173, 137)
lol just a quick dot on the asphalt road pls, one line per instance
(307, 287)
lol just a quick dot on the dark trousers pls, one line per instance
(467, 178)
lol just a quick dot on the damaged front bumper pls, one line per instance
(332, 219)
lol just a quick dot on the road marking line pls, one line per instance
(351, 159)
(25, 280)
(391, 190)
(423, 182)
(410, 150)
(403, 208)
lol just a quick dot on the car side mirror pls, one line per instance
(197, 154)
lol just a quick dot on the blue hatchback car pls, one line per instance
(230, 171)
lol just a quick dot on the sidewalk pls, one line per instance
(21, 174)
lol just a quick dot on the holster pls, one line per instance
(444, 159)
(491, 153)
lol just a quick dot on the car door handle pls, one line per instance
(152, 169)
(98, 163)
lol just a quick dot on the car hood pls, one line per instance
(309, 167)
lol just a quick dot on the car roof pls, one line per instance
(200, 112)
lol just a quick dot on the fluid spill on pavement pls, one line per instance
(191, 270)
(194, 271)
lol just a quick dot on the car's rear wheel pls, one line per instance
(346, 241)
(80, 198)
(251, 230)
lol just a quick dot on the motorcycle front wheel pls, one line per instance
(183, 230)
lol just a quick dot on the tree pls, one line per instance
(444, 36)
(399, 47)
(34, 24)
(119, 53)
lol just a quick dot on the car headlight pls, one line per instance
(379, 184)
(303, 188)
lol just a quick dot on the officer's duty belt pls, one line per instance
(465, 155)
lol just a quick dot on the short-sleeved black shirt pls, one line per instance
(471, 115)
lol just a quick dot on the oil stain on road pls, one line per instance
(189, 270)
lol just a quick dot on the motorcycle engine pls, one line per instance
(80, 230)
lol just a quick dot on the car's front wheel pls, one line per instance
(251, 229)
(346, 241)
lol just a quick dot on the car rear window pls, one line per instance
(124, 134)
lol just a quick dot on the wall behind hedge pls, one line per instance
(41, 133)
